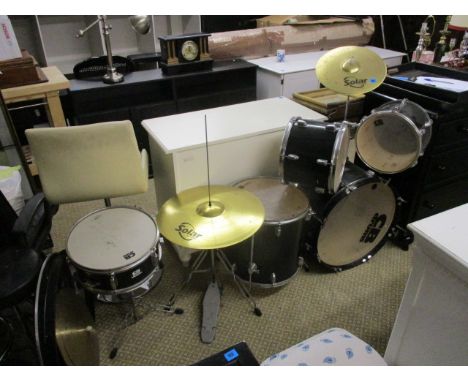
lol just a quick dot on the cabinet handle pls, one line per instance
(429, 205)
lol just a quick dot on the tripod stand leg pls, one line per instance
(196, 265)
(244, 291)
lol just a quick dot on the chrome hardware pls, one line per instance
(309, 214)
(292, 157)
(319, 190)
(113, 281)
(253, 269)
(370, 172)
(273, 279)
(301, 123)
(400, 201)
(161, 240)
(323, 162)
(278, 230)
(300, 261)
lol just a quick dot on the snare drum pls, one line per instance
(393, 137)
(348, 228)
(270, 258)
(313, 154)
(116, 252)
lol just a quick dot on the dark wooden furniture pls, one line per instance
(440, 179)
(149, 94)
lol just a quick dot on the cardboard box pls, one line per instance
(277, 20)
(9, 48)
(264, 42)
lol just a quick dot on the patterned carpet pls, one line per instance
(363, 300)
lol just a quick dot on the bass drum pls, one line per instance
(313, 154)
(116, 253)
(348, 228)
(393, 137)
(271, 257)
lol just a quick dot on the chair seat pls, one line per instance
(19, 269)
(333, 347)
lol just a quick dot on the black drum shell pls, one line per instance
(273, 253)
(310, 141)
(323, 204)
(101, 281)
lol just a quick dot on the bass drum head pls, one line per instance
(388, 142)
(356, 225)
(111, 238)
(282, 202)
(340, 156)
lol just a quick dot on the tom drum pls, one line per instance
(270, 258)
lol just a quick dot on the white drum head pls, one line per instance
(388, 142)
(356, 225)
(111, 238)
(282, 202)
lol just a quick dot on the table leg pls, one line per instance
(54, 110)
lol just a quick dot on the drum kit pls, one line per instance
(262, 230)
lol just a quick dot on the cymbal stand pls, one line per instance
(230, 268)
(351, 126)
(211, 301)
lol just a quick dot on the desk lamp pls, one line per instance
(140, 24)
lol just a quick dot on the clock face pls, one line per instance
(189, 50)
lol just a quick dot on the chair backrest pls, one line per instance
(80, 163)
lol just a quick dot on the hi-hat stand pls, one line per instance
(212, 298)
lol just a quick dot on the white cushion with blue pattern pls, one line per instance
(333, 347)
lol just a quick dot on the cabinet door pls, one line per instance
(443, 198)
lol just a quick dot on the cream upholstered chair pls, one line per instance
(89, 162)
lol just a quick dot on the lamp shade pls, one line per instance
(140, 23)
(459, 22)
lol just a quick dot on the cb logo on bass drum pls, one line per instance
(374, 228)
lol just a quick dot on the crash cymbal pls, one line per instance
(74, 332)
(188, 220)
(351, 70)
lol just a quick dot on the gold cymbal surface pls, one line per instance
(351, 70)
(74, 332)
(189, 220)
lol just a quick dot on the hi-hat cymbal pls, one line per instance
(351, 70)
(188, 220)
(74, 332)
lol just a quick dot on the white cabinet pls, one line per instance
(432, 322)
(52, 39)
(244, 141)
(297, 72)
